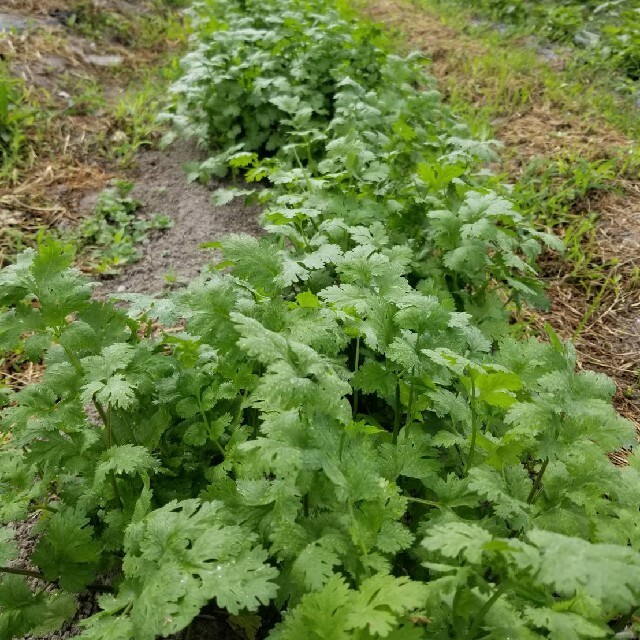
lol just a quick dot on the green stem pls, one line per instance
(429, 503)
(481, 615)
(39, 576)
(533, 494)
(396, 417)
(412, 387)
(410, 404)
(96, 403)
(73, 358)
(23, 572)
(474, 426)
(42, 506)
(203, 413)
(238, 416)
(116, 492)
(356, 365)
(108, 426)
(303, 234)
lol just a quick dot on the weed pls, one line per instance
(107, 239)
(15, 116)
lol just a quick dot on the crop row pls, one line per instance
(337, 432)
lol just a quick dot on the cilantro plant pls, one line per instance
(337, 433)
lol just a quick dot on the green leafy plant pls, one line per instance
(336, 432)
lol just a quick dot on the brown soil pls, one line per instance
(72, 131)
(162, 188)
(609, 338)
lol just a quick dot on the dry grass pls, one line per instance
(68, 153)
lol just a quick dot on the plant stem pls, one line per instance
(105, 420)
(116, 492)
(429, 503)
(533, 494)
(39, 576)
(23, 572)
(96, 403)
(73, 358)
(203, 413)
(477, 623)
(474, 426)
(396, 417)
(410, 404)
(356, 365)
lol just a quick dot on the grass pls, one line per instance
(59, 142)
(516, 74)
(16, 115)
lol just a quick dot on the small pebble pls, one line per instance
(104, 61)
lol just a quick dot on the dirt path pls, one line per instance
(92, 77)
(532, 125)
(173, 256)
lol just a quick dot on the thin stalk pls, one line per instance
(477, 623)
(23, 572)
(396, 417)
(116, 492)
(310, 162)
(39, 576)
(78, 367)
(533, 494)
(410, 404)
(106, 420)
(306, 175)
(474, 426)
(429, 503)
(238, 416)
(203, 413)
(356, 365)
(307, 246)
(108, 426)
(73, 358)
(103, 416)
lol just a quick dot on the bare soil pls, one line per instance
(162, 188)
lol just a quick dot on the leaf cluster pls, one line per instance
(338, 429)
